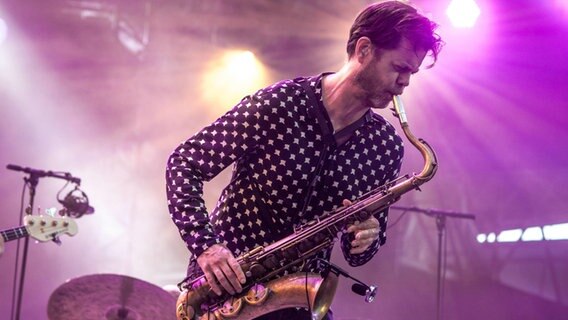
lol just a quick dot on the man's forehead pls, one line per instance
(408, 53)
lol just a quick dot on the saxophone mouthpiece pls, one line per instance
(399, 109)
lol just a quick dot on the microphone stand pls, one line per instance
(32, 180)
(440, 216)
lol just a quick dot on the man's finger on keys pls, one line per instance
(236, 267)
(213, 283)
(232, 278)
(223, 281)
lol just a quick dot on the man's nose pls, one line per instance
(403, 79)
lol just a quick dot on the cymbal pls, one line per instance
(110, 297)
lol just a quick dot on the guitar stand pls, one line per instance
(359, 287)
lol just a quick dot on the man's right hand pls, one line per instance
(221, 269)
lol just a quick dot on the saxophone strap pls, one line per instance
(330, 138)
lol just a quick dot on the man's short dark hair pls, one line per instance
(386, 23)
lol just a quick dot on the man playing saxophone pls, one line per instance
(301, 148)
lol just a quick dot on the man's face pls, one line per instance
(388, 73)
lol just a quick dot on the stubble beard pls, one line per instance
(368, 94)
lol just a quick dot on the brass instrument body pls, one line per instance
(303, 290)
(263, 264)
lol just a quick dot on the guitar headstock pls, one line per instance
(46, 228)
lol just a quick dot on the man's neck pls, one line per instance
(340, 98)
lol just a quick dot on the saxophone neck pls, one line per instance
(430, 160)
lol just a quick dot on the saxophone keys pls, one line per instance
(231, 308)
(364, 215)
(184, 310)
(257, 294)
(210, 316)
(182, 315)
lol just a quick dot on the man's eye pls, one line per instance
(401, 69)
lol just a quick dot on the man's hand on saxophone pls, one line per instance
(364, 233)
(221, 269)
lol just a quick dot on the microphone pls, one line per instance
(363, 290)
(76, 204)
(369, 292)
(41, 173)
(359, 289)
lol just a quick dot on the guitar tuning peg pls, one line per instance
(57, 241)
(51, 212)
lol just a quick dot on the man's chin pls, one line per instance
(380, 103)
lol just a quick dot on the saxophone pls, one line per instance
(263, 293)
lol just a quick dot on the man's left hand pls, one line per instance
(364, 233)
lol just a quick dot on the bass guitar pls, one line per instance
(42, 228)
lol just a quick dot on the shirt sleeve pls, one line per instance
(355, 260)
(201, 158)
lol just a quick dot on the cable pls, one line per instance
(59, 192)
(397, 220)
(308, 295)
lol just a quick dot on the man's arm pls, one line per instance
(199, 159)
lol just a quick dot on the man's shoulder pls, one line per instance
(282, 87)
(382, 124)
(379, 121)
(292, 86)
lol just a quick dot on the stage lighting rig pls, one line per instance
(128, 20)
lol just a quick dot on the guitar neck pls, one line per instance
(15, 233)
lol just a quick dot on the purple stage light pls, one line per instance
(562, 5)
(463, 13)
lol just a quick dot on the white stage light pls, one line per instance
(532, 234)
(556, 232)
(463, 13)
(510, 235)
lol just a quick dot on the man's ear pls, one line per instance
(363, 48)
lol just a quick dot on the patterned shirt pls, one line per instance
(276, 140)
